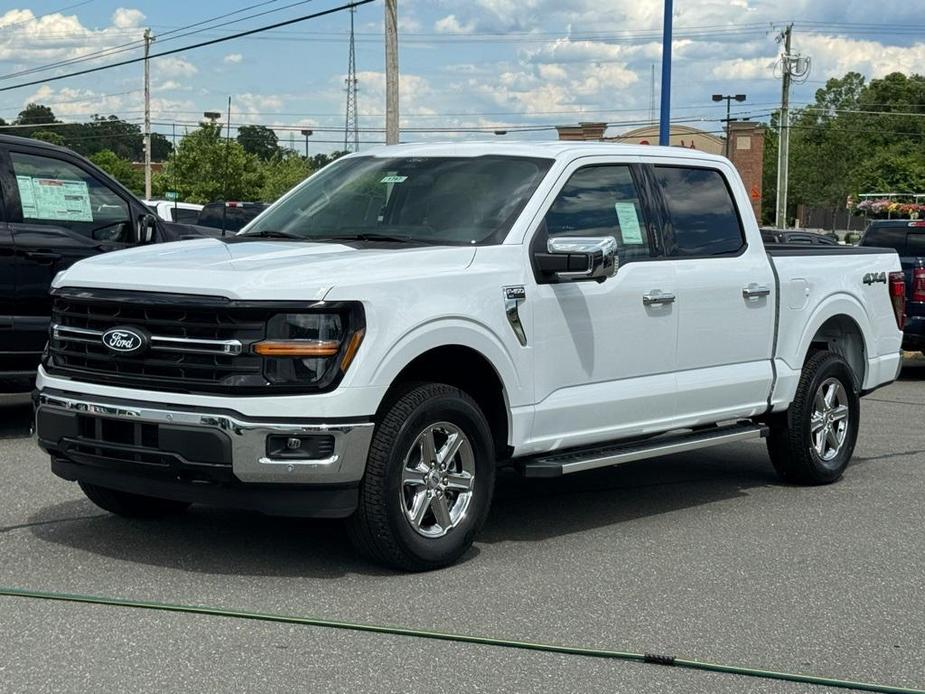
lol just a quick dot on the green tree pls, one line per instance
(259, 140)
(205, 167)
(281, 173)
(120, 169)
(49, 136)
(35, 114)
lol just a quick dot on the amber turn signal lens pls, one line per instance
(297, 348)
(355, 340)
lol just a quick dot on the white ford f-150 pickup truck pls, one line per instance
(384, 336)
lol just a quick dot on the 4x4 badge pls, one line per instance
(872, 277)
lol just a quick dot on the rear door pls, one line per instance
(59, 213)
(725, 295)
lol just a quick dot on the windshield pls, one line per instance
(438, 200)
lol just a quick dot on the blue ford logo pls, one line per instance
(124, 340)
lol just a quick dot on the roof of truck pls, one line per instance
(549, 149)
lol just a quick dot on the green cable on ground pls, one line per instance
(460, 638)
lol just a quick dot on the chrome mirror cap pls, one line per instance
(601, 252)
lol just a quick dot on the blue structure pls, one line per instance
(664, 125)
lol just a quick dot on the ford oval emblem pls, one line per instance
(124, 340)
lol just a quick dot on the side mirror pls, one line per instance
(579, 258)
(147, 226)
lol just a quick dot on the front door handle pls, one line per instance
(657, 297)
(753, 291)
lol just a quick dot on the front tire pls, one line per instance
(131, 505)
(429, 479)
(814, 440)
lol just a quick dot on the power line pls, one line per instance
(314, 15)
(136, 44)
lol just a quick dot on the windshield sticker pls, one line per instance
(629, 223)
(394, 179)
(54, 199)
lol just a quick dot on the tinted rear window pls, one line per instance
(184, 216)
(903, 240)
(704, 220)
(228, 218)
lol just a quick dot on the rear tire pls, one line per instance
(430, 475)
(813, 441)
(131, 505)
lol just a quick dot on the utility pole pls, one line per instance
(664, 124)
(148, 40)
(783, 149)
(391, 72)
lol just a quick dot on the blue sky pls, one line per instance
(479, 64)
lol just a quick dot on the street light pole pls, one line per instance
(728, 99)
(664, 125)
(308, 133)
(148, 40)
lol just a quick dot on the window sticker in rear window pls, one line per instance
(394, 179)
(55, 199)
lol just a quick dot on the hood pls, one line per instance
(260, 270)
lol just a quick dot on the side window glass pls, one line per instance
(703, 214)
(57, 193)
(601, 201)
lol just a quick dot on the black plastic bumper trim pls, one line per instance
(318, 501)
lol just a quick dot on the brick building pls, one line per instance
(746, 146)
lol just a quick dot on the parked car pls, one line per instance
(410, 318)
(173, 211)
(57, 208)
(907, 238)
(792, 236)
(229, 216)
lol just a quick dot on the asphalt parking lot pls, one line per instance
(702, 555)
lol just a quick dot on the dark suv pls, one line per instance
(907, 238)
(55, 209)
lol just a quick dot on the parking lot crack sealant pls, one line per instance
(657, 659)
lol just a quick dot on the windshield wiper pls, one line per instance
(366, 236)
(274, 234)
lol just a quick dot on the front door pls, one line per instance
(604, 352)
(60, 214)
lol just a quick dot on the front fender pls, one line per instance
(464, 332)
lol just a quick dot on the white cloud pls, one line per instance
(233, 58)
(173, 67)
(451, 25)
(124, 18)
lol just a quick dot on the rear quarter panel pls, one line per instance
(817, 287)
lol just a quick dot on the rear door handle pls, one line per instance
(43, 255)
(657, 297)
(753, 291)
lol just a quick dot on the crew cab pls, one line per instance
(382, 338)
(55, 208)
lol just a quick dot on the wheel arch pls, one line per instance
(472, 360)
(840, 326)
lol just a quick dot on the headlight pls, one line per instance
(310, 348)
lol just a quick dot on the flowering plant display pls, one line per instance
(886, 208)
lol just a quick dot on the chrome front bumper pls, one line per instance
(248, 437)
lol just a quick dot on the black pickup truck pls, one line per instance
(907, 238)
(55, 209)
